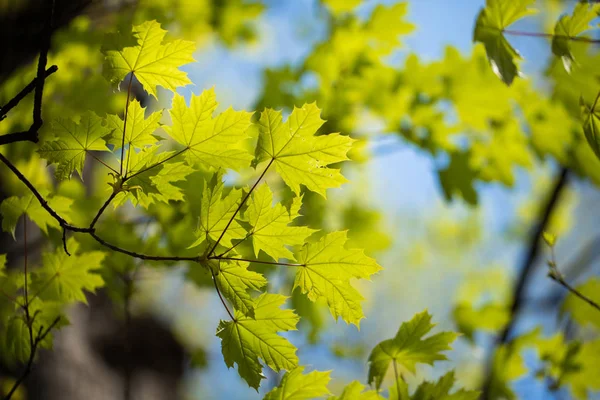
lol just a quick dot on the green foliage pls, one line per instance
(439, 390)
(14, 207)
(569, 27)
(580, 311)
(409, 347)
(325, 272)
(150, 61)
(246, 339)
(493, 19)
(297, 386)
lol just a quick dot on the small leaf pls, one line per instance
(153, 63)
(216, 210)
(63, 278)
(326, 270)
(235, 279)
(549, 238)
(71, 141)
(496, 16)
(270, 230)
(246, 339)
(591, 124)
(212, 142)
(570, 26)
(300, 157)
(14, 207)
(408, 348)
(297, 386)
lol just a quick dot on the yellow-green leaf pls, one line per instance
(298, 386)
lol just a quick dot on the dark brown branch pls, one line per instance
(101, 210)
(12, 103)
(212, 250)
(560, 183)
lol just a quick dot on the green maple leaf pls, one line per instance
(216, 210)
(355, 391)
(72, 141)
(458, 178)
(270, 230)
(235, 279)
(213, 142)
(300, 157)
(139, 129)
(245, 339)
(64, 278)
(386, 24)
(570, 26)
(341, 6)
(496, 16)
(581, 311)
(591, 124)
(297, 386)
(439, 390)
(152, 178)
(153, 63)
(15, 340)
(408, 348)
(14, 207)
(325, 272)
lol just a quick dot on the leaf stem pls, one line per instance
(221, 296)
(396, 376)
(550, 36)
(125, 124)
(257, 261)
(211, 252)
(101, 162)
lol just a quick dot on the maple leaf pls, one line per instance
(439, 390)
(152, 178)
(139, 130)
(591, 123)
(325, 272)
(298, 386)
(14, 207)
(64, 278)
(213, 142)
(458, 177)
(570, 26)
(270, 231)
(408, 348)
(153, 63)
(300, 157)
(496, 16)
(71, 141)
(245, 339)
(355, 391)
(235, 279)
(216, 211)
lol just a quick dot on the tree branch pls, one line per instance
(257, 261)
(560, 183)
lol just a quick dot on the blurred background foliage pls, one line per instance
(451, 174)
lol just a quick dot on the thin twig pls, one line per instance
(101, 210)
(221, 296)
(560, 280)
(211, 252)
(551, 36)
(258, 261)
